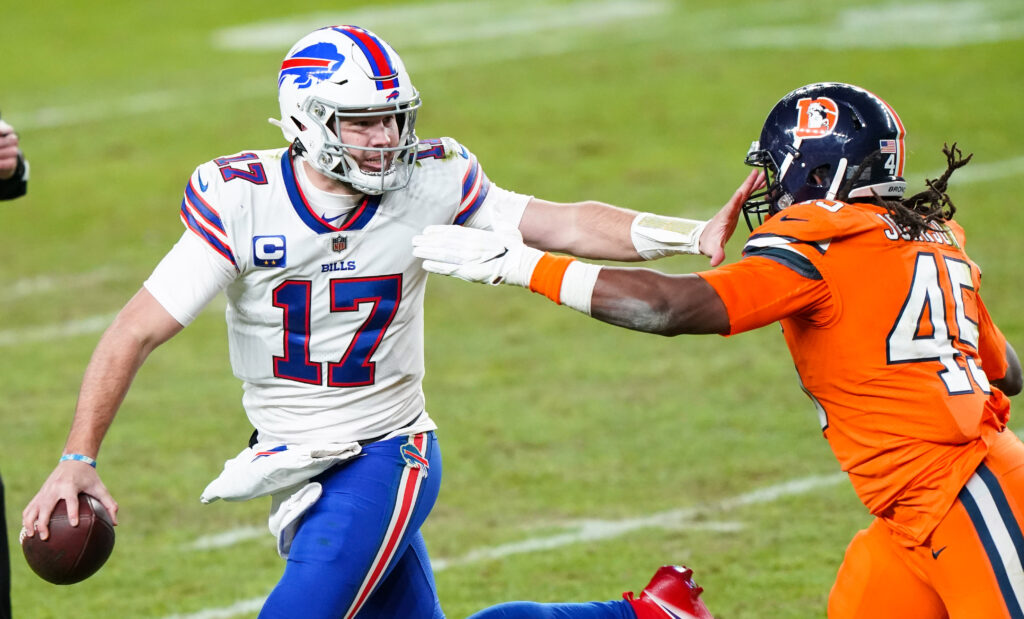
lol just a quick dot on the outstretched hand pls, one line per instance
(475, 255)
(718, 231)
(65, 482)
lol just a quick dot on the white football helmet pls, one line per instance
(342, 73)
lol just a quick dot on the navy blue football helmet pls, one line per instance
(814, 140)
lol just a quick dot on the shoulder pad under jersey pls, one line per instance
(821, 220)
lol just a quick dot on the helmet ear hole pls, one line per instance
(820, 176)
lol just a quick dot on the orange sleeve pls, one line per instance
(758, 291)
(991, 345)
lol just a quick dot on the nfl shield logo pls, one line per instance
(339, 243)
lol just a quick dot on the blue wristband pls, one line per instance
(80, 458)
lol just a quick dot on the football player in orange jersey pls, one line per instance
(880, 307)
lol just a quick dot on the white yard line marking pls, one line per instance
(980, 172)
(41, 284)
(894, 25)
(594, 530)
(451, 23)
(238, 608)
(508, 31)
(442, 24)
(229, 538)
(46, 333)
(673, 519)
(72, 328)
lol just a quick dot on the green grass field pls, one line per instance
(578, 457)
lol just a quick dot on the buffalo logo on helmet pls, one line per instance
(816, 117)
(314, 63)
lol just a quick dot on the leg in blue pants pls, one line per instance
(533, 610)
(358, 551)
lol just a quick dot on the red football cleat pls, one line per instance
(671, 594)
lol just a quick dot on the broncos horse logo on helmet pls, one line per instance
(816, 139)
(347, 73)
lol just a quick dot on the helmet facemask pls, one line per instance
(765, 202)
(335, 157)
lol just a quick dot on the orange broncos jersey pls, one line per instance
(890, 340)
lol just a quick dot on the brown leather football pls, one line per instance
(72, 554)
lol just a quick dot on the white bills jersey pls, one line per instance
(324, 316)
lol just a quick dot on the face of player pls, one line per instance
(371, 132)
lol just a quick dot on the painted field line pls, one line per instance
(442, 24)
(673, 519)
(63, 282)
(56, 331)
(508, 29)
(229, 538)
(464, 22)
(921, 25)
(980, 172)
(81, 326)
(592, 530)
(245, 606)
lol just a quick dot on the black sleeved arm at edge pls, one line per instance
(17, 185)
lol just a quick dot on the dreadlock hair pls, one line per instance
(917, 214)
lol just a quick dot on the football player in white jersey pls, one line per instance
(311, 243)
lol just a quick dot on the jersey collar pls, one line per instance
(357, 220)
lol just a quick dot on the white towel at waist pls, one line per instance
(267, 468)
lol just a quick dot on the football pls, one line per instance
(72, 554)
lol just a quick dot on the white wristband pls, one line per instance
(578, 285)
(655, 236)
(517, 268)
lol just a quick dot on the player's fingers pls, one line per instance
(747, 187)
(439, 241)
(441, 268)
(717, 256)
(112, 508)
(71, 502)
(441, 253)
(42, 522)
(101, 493)
(29, 515)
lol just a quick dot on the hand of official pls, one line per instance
(8, 151)
(476, 255)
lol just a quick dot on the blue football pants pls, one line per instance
(358, 551)
(620, 609)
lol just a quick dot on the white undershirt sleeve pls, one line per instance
(189, 277)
